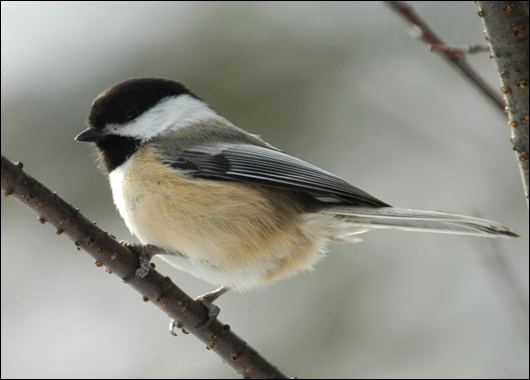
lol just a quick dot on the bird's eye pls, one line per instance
(131, 113)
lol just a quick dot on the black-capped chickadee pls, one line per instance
(227, 206)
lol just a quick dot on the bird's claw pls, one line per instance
(145, 253)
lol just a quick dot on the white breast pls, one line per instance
(218, 239)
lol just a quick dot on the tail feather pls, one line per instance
(421, 220)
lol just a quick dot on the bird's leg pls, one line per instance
(145, 254)
(205, 300)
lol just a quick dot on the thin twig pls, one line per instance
(460, 50)
(510, 288)
(457, 61)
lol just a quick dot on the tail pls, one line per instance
(421, 220)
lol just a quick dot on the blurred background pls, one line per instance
(341, 85)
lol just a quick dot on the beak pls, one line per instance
(90, 135)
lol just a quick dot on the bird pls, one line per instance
(222, 203)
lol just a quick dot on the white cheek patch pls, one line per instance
(169, 115)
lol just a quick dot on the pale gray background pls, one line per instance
(341, 85)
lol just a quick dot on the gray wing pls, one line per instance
(267, 167)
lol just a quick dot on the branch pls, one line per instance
(156, 288)
(507, 33)
(457, 60)
(506, 28)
